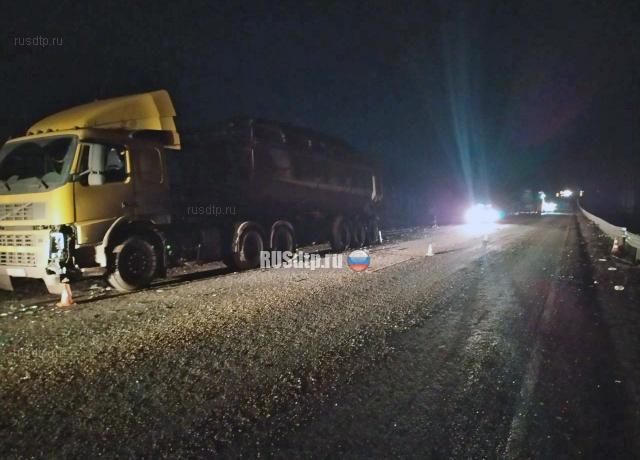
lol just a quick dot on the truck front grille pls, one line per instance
(21, 259)
(24, 240)
(22, 211)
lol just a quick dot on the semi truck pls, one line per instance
(110, 188)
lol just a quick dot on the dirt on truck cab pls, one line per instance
(110, 189)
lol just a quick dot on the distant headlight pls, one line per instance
(549, 206)
(482, 214)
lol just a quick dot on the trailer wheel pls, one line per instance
(340, 234)
(358, 234)
(134, 264)
(282, 239)
(250, 244)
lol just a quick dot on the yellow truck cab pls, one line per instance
(73, 183)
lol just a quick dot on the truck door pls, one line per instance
(151, 185)
(103, 190)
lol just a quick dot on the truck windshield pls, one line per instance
(36, 165)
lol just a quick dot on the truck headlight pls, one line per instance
(56, 245)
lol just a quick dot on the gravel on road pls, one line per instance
(254, 363)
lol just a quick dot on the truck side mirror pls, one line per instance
(96, 164)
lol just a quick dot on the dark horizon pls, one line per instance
(456, 102)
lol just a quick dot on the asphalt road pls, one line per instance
(514, 347)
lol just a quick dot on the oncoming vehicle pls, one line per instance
(107, 188)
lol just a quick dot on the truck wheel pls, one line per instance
(358, 234)
(135, 262)
(282, 239)
(340, 234)
(250, 245)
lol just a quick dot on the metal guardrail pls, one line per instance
(613, 231)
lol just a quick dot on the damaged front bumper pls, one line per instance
(42, 254)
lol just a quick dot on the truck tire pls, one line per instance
(250, 244)
(340, 234)
(358, 234)
(283, 239)
(134, 264)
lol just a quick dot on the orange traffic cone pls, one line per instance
(66, 298)
(615, 250)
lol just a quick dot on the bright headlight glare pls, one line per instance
(482, 214)
(549, 206)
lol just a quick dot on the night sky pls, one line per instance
(456, 101)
